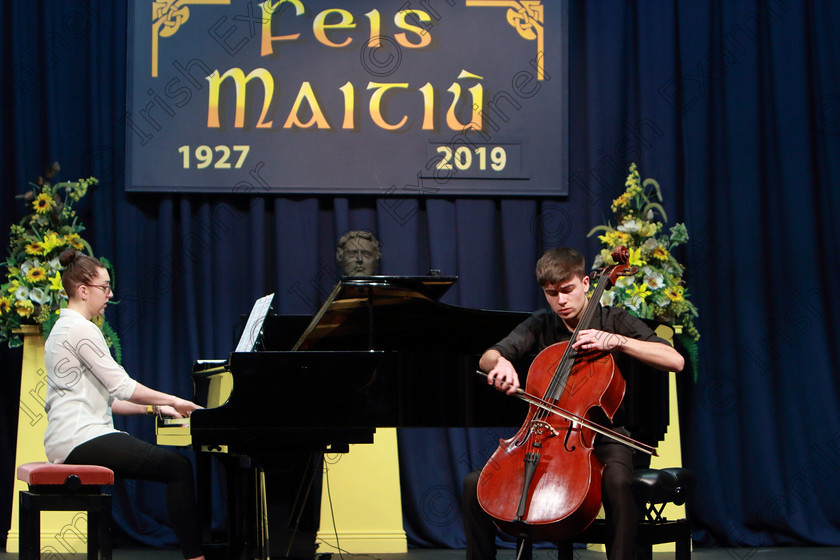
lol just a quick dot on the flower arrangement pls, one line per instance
(657, 291)
(32, 292)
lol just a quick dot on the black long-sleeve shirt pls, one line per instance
(544, 328)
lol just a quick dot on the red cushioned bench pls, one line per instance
(55, 487)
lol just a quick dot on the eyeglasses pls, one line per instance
(104, 287)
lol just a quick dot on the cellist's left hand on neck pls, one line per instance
(595, 340)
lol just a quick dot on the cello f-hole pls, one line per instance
(566, 439)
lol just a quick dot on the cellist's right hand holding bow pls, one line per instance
(503, 376)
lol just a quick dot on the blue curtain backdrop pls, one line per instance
(733, 106)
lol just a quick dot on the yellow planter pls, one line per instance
(62, 532)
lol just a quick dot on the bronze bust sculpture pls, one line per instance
(357, 253)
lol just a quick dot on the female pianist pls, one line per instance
(85, 386)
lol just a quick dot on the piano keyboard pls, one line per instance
(176, 431)
(173, 431)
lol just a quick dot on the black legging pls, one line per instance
(620, 509)
(130, 457)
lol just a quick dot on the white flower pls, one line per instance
(608, 297)
(630, 226)
(54, 265)
(655, 280)
(625, 281)
(22, 292)
(662, 300)
(634, 302)
(38, 296)
(671, 269)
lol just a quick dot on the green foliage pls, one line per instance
(31, 293)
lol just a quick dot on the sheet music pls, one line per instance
(254, 325)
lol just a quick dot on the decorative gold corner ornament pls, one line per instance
(167, 17)
(528, 18)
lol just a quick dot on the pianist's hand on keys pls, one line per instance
(182, 408)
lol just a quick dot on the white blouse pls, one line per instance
(82, 382)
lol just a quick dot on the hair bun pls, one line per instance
(67, 256)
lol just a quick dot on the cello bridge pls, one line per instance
(540, 426)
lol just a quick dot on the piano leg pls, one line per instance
(241, 535)
(262, 536)
(218, 546)
(273, 510)
(293, 499)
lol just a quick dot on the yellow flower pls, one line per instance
(633, 178)
(43, 203)
(633, 182)
(675, 293)
(614, 238)
(660, 253)
(5, 305)
(55, 282)
(647, 229)
(74, 240)
(51, 241)
(636, 257)
(606, 255)
(43, 315)
(639, 290)
(36, 274)
(34, 248)
(622, 201)
(24, 308)
(81, 187)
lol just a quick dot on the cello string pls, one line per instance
(557, 386)
(559, 381)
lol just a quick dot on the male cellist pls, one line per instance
(561, 274)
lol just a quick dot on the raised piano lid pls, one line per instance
(400, 313)
(348, 309)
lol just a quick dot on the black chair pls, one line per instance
(654, 488)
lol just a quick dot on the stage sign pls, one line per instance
(385, 97)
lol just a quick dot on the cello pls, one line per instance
(545, 481)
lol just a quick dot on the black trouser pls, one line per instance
(130, 457)
(620, 509)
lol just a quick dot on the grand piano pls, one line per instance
(380, 352)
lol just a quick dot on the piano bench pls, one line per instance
(57, 487)
(654, 489)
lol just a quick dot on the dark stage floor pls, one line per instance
(450, 554)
